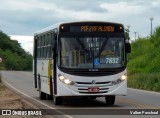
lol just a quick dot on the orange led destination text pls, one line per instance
(97, 28)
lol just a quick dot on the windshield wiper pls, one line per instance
(82, 45)
(103, 46)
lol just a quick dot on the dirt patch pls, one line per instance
(10, 100)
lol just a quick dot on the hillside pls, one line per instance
(144, 63)
(14, 57)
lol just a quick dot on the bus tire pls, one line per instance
(49, 97)
(110, 100)
(42, 95)
(57, 100)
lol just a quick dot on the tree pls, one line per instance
(14, 57)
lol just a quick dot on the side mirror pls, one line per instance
(128, 47)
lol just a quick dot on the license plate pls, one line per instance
(92, 90)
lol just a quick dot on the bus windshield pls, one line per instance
(91, 52)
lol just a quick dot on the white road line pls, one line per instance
(68, 116)
(144, 91)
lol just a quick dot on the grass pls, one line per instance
(2, 88)
(144, 63)
(146, 81)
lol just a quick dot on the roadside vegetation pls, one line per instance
(14, 57)
(144, 63)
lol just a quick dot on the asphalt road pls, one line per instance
(135, 99)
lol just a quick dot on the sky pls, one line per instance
(21, 18)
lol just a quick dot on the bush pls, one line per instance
(14, 57)
(2, 68)
(147, 81)
(144, 65)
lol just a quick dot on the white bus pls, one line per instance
(81, 59)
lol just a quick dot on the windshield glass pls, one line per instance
(91, 52)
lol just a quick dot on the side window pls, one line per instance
(47, 53)
(44, 54)
(47, 39)
(41, 52)
(37, 41)
(50, 44)
(44, 40)
(38, 46)
(50, 37)
(45, 43)
(40, 41)
(50, 49)
(37, 52)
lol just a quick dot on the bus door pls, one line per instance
(52, 63)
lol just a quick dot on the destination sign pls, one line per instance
(97, 28)
(91, 27)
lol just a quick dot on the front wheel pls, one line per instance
(110, 100)
(57, 100)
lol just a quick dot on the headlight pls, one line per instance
(61, 78)
(65, 80)
(121, 79)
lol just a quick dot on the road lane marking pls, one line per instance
(68, 116)
(144, 91)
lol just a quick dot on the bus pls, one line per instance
(81, 59)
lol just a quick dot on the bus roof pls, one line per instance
(51, 27)
(57, 25)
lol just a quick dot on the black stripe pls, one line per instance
(86, 72)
